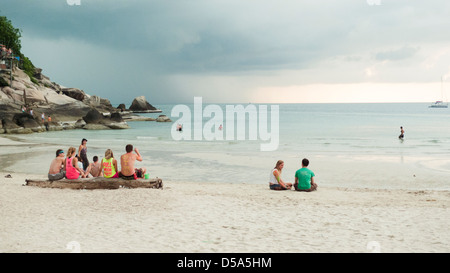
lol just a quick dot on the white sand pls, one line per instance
(220, 217)
(204, 217)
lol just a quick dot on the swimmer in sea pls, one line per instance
(402, 133)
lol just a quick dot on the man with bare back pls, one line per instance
(127, 170)
(57, 167)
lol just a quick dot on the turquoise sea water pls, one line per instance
(349, 145)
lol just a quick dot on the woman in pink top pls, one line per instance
(72, 169)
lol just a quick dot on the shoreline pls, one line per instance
(334, 171)
(65, 123)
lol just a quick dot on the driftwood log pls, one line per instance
(96, 183)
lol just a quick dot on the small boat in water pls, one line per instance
(440, 103)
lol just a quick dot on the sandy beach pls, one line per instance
(206, 217)
(218, 217)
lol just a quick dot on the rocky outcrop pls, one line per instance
(140, 104)
(74, 93)
(64, 105)
(116, 117)
(70, 108)
(54, 126)
(117, 125)
(97, 121)
(33, 95)
(94, 126)
(98, 103)
(27, 121)
(122, 107)
(12, 95)
(163, 118)
(38, 73)
(79, 124)
(93, 116)
(10, 127)
(133, 117)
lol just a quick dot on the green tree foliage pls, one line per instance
(10, 37)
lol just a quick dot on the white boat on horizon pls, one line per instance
(440, 103)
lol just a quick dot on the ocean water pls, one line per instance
(349, 145)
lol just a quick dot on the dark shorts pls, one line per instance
(276, 187)
(128, 177)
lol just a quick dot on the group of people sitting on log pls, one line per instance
(74, 166)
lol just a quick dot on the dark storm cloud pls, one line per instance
(171, 46)
(194, 36)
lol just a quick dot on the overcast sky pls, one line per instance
(240, 50)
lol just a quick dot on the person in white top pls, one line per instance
(275, 181)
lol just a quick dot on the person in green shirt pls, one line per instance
(304, 178)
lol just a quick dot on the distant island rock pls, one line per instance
(141, 105)
(25, 99)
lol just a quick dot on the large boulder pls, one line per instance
(27, 121)
(93, 116)
(10, 127)
(74, 93)
(141, 104)
(96, 101)
(22, 118)
(38, 73)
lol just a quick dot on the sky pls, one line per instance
(235, 51)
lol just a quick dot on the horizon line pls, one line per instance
(349, 102)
